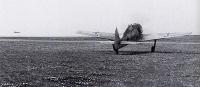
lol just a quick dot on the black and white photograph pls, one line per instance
(99, 43)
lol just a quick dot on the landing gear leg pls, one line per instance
(115, 50)
(153, 47)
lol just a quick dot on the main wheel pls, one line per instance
(153, 49)
(115, 50)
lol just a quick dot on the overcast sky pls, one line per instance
(65, 17)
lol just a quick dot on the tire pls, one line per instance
(153, 49)
(115, 50)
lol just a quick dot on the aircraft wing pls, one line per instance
(122, 42)
(147, 39)
(103, 35)
(149, 42)
(157, 36)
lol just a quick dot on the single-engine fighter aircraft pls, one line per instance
(132, 35)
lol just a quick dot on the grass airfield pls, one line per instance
(50, 64)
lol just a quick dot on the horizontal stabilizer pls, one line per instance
(147, 37)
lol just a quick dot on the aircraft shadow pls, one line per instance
(177, 52)
(124, 52)
(133, 52)
(148, 52)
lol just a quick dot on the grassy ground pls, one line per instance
(50, 64)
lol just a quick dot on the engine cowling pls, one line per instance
(133, 32)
